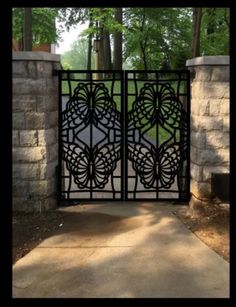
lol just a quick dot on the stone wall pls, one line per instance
(35, 128)
(209, 121)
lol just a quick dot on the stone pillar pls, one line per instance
(209, 121)
(35, 129)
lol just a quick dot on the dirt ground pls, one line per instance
(211, 225)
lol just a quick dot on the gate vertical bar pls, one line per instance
(59, 137)
(125, 109)
(157, 138)
(123, 130)
(188, 135)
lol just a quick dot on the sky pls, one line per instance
(68, 37)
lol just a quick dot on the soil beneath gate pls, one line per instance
(210, 225)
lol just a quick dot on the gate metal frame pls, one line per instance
(124, 139)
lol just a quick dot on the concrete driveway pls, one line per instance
(119, 250)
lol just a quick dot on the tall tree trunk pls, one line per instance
(89, 49)
(117, 65)
(143, 46)
(197, 16)
(27, 29)
(101, 52)
(107, 51)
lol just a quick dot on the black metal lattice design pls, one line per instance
(124, 140)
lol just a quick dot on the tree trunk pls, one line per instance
(89, 49)
(101, 52)
(107, 51)
(197, 16)
(117, 65)
(27, 29)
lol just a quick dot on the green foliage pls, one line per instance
(156, 37)
(103, 16)
(43, 25)
(215, 31)
(166, 33)
(76, 57)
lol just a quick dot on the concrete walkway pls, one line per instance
(122, 250)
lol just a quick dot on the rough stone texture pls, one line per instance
(35, 125)
(24, 103)
(28, 138)
(29, 154)
(26, 171)
(210, 108)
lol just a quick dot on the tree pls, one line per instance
(118, 41)
(197, 16)
(76, 57)
(156, 37)
(27, 29)
(215, 31)
(43, 25)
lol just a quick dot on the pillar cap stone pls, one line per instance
(215, 60)
(35, 56)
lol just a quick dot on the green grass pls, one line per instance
(163, 134)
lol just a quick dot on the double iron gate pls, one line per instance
(124, 135)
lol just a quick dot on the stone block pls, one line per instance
(52, 119)
(44, 69)
(24, 86)
(47, 137)
(26, 170)
(217, 139)
(206, 123)
(29, 154)
(18, 120)
(203, 73)
(198, 139)
(196, 172)
(28, 138)
(220, 73)
(20, 187)
(48, 170)
(15, 137)
(214, 90)
(47, 103)
(19, 69)
(32, 71)
(24, 103)
(200, 189)
(42, 188)
(223, 155)
(226, 123)
(35, 120)
(194, 154)
(52, 85)
(52, 152)
(212, 157)
(208, 170)
(19, 203)
(224, 107)
(200, 106)
(215, 107)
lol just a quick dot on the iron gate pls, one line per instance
(124, 135)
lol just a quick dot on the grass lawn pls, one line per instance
(163, 134)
